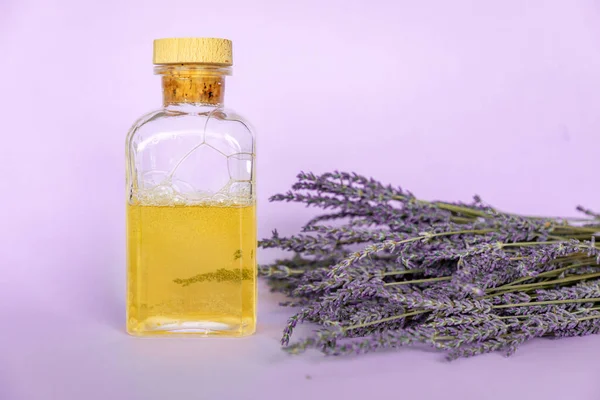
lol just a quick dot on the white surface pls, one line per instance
(67, 355)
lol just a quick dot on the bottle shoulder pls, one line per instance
(222, 128)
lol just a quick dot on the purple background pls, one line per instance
(446, 98)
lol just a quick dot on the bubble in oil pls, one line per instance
(204, 176)
(240, 167)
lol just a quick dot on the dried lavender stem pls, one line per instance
(477, 213)
(390, 244)
(446, 206)
(436, 338)
(526, 244)
(379, 321)
(586, 310)
(464, 210)
(547, 303)
(461, 220)
(571, 228)
(544, 274)
(403, 272)
(588, 318)
(442, 278)
(547, 283)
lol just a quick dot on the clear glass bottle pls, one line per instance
(191, 215)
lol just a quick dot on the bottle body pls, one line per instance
(191, 222)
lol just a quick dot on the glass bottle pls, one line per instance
(191, 215)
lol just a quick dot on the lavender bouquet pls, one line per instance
(382, 269)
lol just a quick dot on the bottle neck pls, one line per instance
(193, 84)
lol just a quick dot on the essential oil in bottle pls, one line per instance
(191, 213)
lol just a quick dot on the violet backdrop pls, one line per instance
(446, 98)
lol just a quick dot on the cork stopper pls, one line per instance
(193, 89)
(211, 51)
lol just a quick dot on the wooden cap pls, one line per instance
(193, 51)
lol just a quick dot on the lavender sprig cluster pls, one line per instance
(382, 269)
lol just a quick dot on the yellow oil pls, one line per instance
(191, 270)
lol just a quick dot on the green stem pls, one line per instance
(403, 272)
(461, 220)
(513, 316)
(526, 244)
(572, 228)
(414, 281)
(544, 274)
(410, 314)
(475, 231)
(586, 310)
(578, 319)
(548, 303)
(290, 271)
(436, 338)
(433, 235)
(578, 236)
(463, 210)
(590, 317)
(573, 219)
(557, 238)
(470, 211)
(549, 283)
